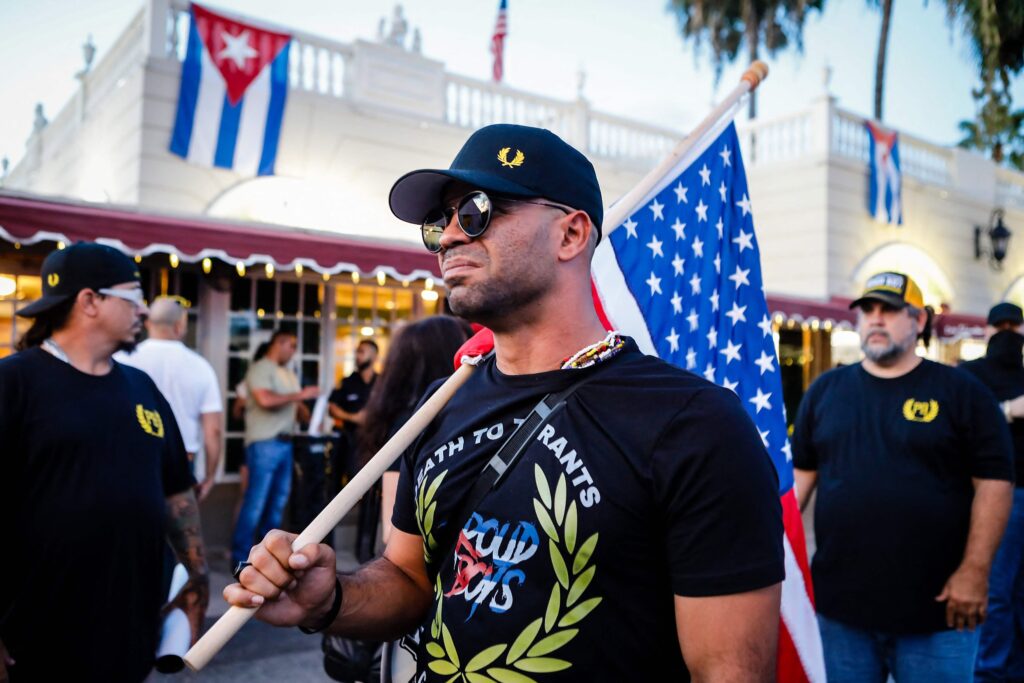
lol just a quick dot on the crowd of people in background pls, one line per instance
(910, 464)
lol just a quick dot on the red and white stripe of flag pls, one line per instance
(498, 41)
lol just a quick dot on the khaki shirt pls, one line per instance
(261, 424)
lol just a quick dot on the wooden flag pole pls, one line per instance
(749, 81)
(232, 621)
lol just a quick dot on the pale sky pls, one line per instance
(635, 62)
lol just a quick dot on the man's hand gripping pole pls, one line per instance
(232, 621)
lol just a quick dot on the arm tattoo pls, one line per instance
(184, 532)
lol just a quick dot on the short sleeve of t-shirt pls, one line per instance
(804, 456)
(403, 517)
(260, 376)
(210, 399)
(990, 445)
(177, 471)
(718, 491)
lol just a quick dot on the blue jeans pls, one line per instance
(1001, 650)
(270, 479)
(856, 655)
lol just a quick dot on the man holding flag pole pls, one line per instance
(639, 535)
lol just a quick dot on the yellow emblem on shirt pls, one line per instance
(150, 421)
(920, 411)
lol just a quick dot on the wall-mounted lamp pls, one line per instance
(998, 237)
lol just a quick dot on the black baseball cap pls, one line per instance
(1005, 312)
(83, 265)
(515, 161)
(895, 289)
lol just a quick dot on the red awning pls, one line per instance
(948, 326)
(836, 310)
(959, 326)
(29, 219)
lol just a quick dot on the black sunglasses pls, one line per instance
(474, 211)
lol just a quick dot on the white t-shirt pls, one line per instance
(186, 380)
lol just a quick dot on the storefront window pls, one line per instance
(180, 282)
(259, 307)
(15, 292)
(375, 310)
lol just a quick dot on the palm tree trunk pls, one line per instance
(883, 44)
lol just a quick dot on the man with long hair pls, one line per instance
(93, 478)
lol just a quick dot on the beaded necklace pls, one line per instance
(596, 352)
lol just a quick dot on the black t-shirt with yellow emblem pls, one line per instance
(652, 482)
(85, 466)
(895, 458)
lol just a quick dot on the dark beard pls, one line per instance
(127, 346)
(365, 365)
(492, 305)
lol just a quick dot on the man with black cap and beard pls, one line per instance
(638, 536)
(912, 463)
(93, 478)
(1001, 369)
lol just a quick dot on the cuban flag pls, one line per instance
(234, 83)
(682, 276)
(885, 198)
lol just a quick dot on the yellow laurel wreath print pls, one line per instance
(920, 411)
(517, 160)
(426, 506)
(530, 652)
(150, 421)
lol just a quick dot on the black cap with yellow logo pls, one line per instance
(516, 161)
(894, 289)
(84, 265)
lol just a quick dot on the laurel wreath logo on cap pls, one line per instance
(517, 160)
(52, 279)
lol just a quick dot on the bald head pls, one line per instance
(168, 319)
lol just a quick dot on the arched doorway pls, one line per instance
(915, 262)
(1015, 292)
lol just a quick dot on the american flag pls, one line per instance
(498, 41)
(682, 276)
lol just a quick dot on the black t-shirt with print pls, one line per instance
(85, 467)
(895, 458)
(651, 483)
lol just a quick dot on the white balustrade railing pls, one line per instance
(777, 140)
(1010, 188)
(919, 159)
(318, 65)
(471, 103)
(613, 136)
(849, 137)
(315, 64)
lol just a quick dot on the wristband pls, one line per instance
(331, 615)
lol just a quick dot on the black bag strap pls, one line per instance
(509, 454)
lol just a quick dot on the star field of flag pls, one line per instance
(690, 259)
